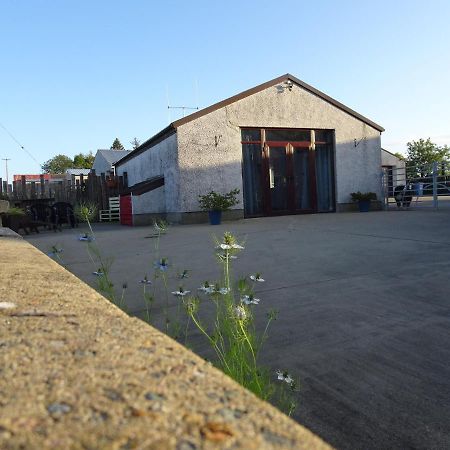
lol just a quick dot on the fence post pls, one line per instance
(41, 185)
(435, 190)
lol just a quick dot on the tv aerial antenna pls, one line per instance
(183, 108)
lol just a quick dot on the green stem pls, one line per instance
(186, 330)
(211, 341)
(264, 336)
(252, 352)
(166, 312)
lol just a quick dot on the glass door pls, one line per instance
(291, 179)
(303, 179)
(276, 157)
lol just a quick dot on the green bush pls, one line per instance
(363, 196)
(218, 202)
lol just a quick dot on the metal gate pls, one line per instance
(412, 186)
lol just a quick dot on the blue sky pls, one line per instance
(75, 75)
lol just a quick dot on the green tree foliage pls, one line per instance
(422, 153)
(83, 161)
(400, 156)
(117, 145)
(57, 164)
(135, 143)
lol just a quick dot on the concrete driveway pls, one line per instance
(363, 304)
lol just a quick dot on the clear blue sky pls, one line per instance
(75, 75)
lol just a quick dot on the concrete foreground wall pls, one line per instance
(210, 150)
(78, 373)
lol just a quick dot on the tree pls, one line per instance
(422, 153)
(400, 156)
(57, 164)
(83, 161)
(117, 145)
(135, 143)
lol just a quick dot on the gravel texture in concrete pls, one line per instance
(78, 373)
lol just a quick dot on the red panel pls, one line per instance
(126, 210)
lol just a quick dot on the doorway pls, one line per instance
(287, 171)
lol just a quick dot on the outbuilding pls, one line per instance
(288, 148)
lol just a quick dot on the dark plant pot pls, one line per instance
(215, 217)
(364, 205)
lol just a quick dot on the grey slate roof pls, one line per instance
(113, 155)
(78, 171)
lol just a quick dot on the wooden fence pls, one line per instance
(79, 189)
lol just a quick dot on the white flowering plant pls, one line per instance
(233, 335)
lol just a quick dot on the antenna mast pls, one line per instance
(6, 168)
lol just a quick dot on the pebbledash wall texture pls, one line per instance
(203, 152)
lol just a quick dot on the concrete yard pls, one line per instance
(363, 304)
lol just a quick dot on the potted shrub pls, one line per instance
(215, 203)
(364, 199)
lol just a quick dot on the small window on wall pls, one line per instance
(323, 136)
(251, 135)
(288, 135)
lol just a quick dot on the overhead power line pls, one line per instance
(20, 145)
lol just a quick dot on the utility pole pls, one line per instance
(6, 167)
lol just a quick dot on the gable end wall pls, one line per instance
(210, 150)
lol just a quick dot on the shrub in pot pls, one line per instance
(214, 203)
(364, 199)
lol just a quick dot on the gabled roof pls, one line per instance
(170, 129)
(78, 171)
(387, 151)
(113, 156)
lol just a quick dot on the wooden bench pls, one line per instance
(113, 213)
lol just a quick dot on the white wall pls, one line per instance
(150, 202)
(162, 159)
(210, 150)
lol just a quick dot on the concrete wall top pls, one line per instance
(210, 150)
(78, 373)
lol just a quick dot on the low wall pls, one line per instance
(78, 373)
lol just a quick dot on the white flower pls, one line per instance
(145, 280)
(98, 273)
(216, 290)
(205, 287)
(181, 292)
(257, 277)
(250, 300)
(284, 376)
(224, 246)
(230, 246)
(239, 312)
